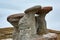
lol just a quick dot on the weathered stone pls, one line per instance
(33, 9)
(14, 19)
(40, 20)
(48, 36)
(27, 24)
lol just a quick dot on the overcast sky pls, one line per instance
(8, 7)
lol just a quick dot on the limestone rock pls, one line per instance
(48, 36)
(27, 24)
(14, 19)
(41, 22)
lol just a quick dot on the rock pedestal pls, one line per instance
(30, 27)
(27, 23)
(14, 19)
(41, 22)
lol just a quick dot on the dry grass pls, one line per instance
(7, 33)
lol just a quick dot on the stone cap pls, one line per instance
(15, 17)
(33, 9)
(44, 10)
(47, 9)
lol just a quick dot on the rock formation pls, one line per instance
(27, 26)
(41, 22)
(27, 23)
(14, 19)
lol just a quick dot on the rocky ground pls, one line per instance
(7, 33)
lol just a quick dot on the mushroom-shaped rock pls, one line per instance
(14, 19)
(27, 23)
(41, 22)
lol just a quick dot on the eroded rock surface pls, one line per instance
(27, 26)
(41, 22)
